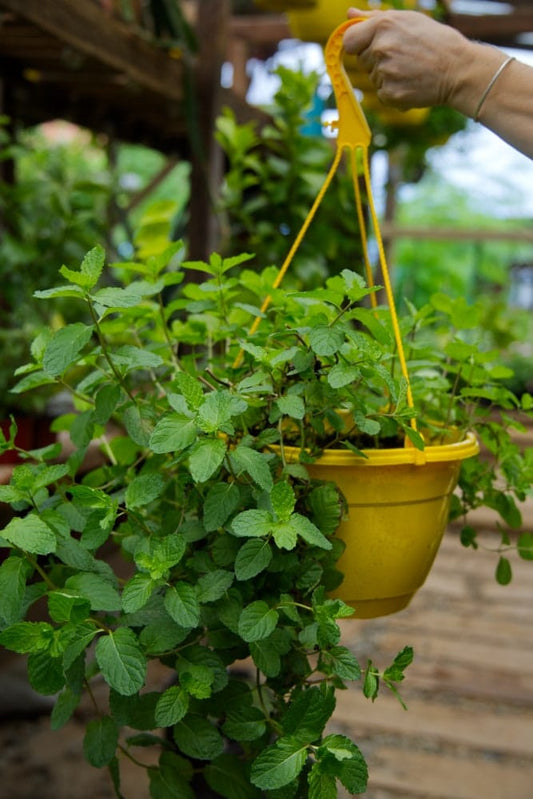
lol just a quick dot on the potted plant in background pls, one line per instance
(226, 544)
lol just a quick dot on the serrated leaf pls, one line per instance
(66, 703)
(100, 741)
(137, 592)
(342, 375)
(283, 500)
(252, 523)
(244, 724)
(45, 673)
(291, 405)
(172, 706)
(326, 341)
(197, 737)
(181, 603)
(279, 764)
(309, 532)
(173, 433)
(285, 535)
(121, 661)
(221, 501)
(266, 659)
(213, 585)
(341, 662)
(308, 714)
(253, 463)
(101, 593)
(27, 636)
(90, 269)
(30, 534)
(257, 621)
(253, 558)
(321, 786)
(143, 489)
(14, 572)
(65, 605)
(228, 777)
(206, 458)
(64, 347)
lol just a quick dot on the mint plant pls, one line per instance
(229, 546)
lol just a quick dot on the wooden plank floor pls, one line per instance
(468, 729)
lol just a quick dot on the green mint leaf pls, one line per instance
(206, 458)
(253, 558)
(30, 534)
(27, 636)
(144, 489)
(283, 500)
(128, 358)
(217, 410)
(64, 348)
(66, 703)
(66, 605)
(137, 592)
(172, 706)
(257, 621)
(79, 638)
(181, 604)
(244, 724)
(279, 764)
(173, 433)
(326, 341)
(252, 524)
(101, 741)
(196, 737)
(90, 269)
(163, 554)
(403, 659)
(100, 592)
(285, 535)
(371, 682)
(291, 405)
(221, 501)
(504, 571)
(228, 777)
(191, 389)
(171, 779)
(340, 757)
(321, 786)
(14, 572)
(162, 635)
(201, 656)
(254, 463)
(339, 661)
(342, 375)
(308, 714)
(265, 657)
(45, 673)
(525, 546)
(309, 532)
(213, 585)
(121, 661)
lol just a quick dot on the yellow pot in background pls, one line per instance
(398, 504)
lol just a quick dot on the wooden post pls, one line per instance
(207, 164)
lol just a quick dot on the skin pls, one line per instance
(415, 61)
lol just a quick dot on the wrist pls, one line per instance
(474, 67)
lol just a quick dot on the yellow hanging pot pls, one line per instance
(398, 500)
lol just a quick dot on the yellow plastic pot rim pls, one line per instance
(440, 453)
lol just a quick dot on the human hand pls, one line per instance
(413, 61)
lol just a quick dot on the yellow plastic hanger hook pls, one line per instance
(353, 129)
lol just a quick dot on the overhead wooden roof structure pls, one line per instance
(74, 59)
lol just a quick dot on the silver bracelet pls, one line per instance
(490, 85)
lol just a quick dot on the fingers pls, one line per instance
(358, 37)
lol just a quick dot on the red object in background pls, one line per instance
(33, 432)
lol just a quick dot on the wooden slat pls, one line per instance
(109, 40)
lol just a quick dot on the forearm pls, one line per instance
(414, 61)
(508, 107)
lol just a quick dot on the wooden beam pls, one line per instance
(391, 231)
(493, 27)
(83, 26)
